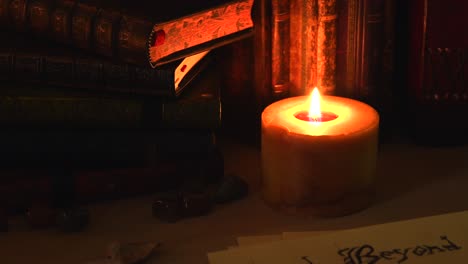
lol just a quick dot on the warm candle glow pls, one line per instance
(323, 163)
(315, 115)
(314, 109)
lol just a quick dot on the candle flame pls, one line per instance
(314, 110)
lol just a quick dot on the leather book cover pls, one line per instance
(79, 186)
(360, 48)
(32, 105)
(141, 32)
(55, 64)
(435, 88)
(303, 52)
(98, 148)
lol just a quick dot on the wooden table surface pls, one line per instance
(413, 181)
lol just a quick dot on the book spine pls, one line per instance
(303, 52)
(106, 29)
(82, 23)
(82, 112)
(280, 45)
(388, 66)
(17, 15)
(4, 5)
(373, 47)
(385, 91)
(133, 39)
(262, 51)
(435, 85)
(39, 15)
(37, 147)
(87, 73)
(361, 48)
(326, 46)
(69, 112)
(437, 51)
(61, 21)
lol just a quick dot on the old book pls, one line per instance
(49, 106)
(360, 48)
(303, 52)
(326, 47)
(434, 82)
(99, 148)
(313, 37)
(62, 185)
(261, 56)
(365, 57)
(47, 64)
(295, 42)
(280, 46)
(145, 33)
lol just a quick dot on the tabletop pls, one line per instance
(412, 181)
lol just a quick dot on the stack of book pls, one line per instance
(104, 99)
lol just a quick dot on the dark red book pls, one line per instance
(67, 185)
(435, 86)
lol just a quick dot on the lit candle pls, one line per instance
(319, 154)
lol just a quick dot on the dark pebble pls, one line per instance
(231, 188)
(167, 207)
(72, 220)
(173, 206)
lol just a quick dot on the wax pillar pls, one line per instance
(319, 168)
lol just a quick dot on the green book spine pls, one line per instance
(46, 63)
(39, 106)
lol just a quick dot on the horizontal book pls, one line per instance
(49, 106)
(141, 32)
(100, 148)
(49, 64)
(62, 185)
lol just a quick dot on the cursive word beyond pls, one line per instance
(367, 254)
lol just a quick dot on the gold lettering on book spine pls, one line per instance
(303, 51)
(280, 47)
(326, 46)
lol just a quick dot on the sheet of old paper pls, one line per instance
(435, 239)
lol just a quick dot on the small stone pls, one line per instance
(72, 220)
(40, 216)
(167, 207)
(231, 188)
(196, 204)
(130, 253)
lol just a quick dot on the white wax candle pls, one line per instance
(319, 168)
